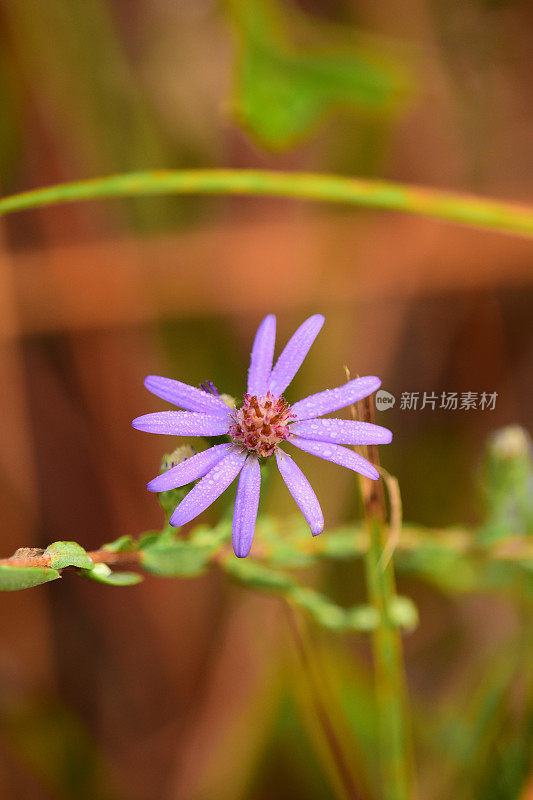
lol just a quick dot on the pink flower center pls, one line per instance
(262, 423)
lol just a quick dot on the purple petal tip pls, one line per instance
(242, 552)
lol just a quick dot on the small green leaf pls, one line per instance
(148, 539)
(176, 558)
(323, 610)
(213, 538)
(120, 544)
(507, 476)
(362, 618)
(13, 578)
(103, 574)
(253, 574)
(68, 554)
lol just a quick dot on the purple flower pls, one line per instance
(256, 430)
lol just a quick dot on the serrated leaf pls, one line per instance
(14, 578)
(68, 554)
(103, 574)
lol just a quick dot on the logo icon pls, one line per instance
(384, 400)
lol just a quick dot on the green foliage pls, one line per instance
(283, 92)
(103, 574)
(14, 578)
(122, 544)
(508, 474)
(178, 558)
(488, 746)
(68, 554)
(323, 610)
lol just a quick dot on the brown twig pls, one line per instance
(35, 557)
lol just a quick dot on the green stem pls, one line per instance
(396, 767)
(397, 773)
(455, 207)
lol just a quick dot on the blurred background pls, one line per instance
(191, 689)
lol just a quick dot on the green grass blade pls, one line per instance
(461, 208)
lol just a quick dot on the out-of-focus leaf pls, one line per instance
(466, 743)
(13, 578)
(68, 554)
(283, 92)
(256, 575)
(103, 574)
(211, 538)
(148, 539)
(121, 544)
(508, 485)
(404, 613)
(321, 608)
(176, 558)
(449, 570)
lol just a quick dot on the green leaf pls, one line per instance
(404, 613)
(68, 554)
(103, 574)
(148, 539)
(13, 578)
(507, 478)
(323, 610)
(283, 92)
(256, 575)
(123, 543)
(176, 558)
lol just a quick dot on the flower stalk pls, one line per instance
(396, 763)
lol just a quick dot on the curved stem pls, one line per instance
(454, 207)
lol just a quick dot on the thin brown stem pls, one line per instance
(34, 557)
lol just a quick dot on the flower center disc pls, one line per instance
(262, 423)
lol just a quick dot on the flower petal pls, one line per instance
(301, 490)
(334, 399)
(189, 470)
(295, 351)
(208, 489)
(182, 423)
(337, 454)
(246, 505)
(184, 396)
(342, 431)
(262, 354)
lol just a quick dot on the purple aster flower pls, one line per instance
(257, 430)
